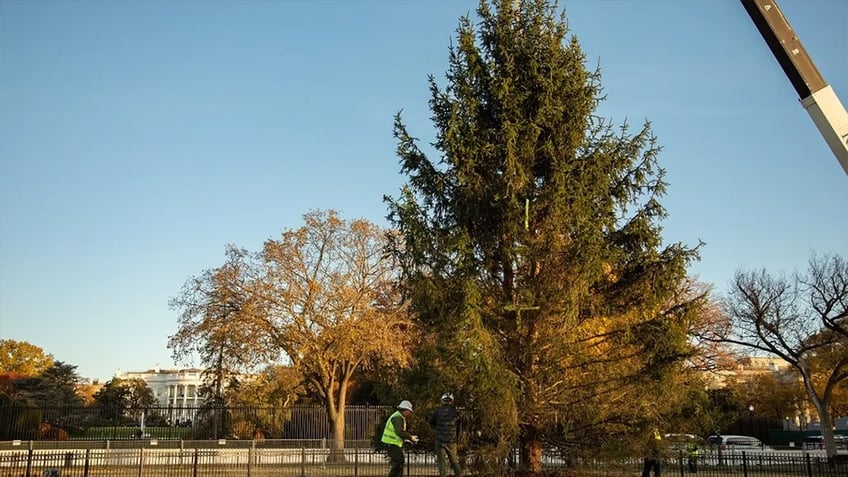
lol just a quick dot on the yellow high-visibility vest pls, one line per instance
(390, 434)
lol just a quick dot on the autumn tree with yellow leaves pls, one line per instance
(221, 322)
(23, 358)
(322, 298)
(334, 307)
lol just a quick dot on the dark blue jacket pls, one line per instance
(444, 422)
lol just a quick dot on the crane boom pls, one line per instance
(817, 97)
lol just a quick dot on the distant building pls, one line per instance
(750, 367)
(760, 364)
(174, 388)
(782, 371)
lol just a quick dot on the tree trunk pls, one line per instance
(531, 448)
(822, 406)
(826, 426)
(531, 444)
(531, 456)
(337, 443)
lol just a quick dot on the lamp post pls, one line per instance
(751, 418)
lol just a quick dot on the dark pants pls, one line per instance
(448, 450)
(651, 463)
(396, 460)
(693, 464)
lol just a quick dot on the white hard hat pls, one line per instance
(405, 405)
(447, 397)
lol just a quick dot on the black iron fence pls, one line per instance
(313, 458)
(258, 442)
(186, 423)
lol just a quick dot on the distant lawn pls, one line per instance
(131, 432)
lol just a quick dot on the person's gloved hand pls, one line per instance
(414, 439)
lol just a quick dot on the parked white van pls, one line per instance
(736, 443)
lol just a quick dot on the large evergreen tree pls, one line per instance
(55, 388)
(532, 248)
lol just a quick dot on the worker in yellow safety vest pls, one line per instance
(394, 436)
(693, 451)
(653, 454)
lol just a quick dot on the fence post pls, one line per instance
(302, 461)
(85, 467)
(744, 464)
(29, 461)
(809, 464)
(680, 461)
(140, 461)
(250, 457)
(356, 461)
(194, 471)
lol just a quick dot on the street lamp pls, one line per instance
(751, 418)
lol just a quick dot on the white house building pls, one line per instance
(173, 388)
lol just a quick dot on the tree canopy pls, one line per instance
(333, 306)
(124, 394)
(54, 388)
(802, 319)
(23, 358)
(119, 396)
(322, 297)
(221, 321)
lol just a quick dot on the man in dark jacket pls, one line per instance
(444, 422)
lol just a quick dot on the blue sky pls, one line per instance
(138, 138)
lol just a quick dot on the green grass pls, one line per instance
(131, 432)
